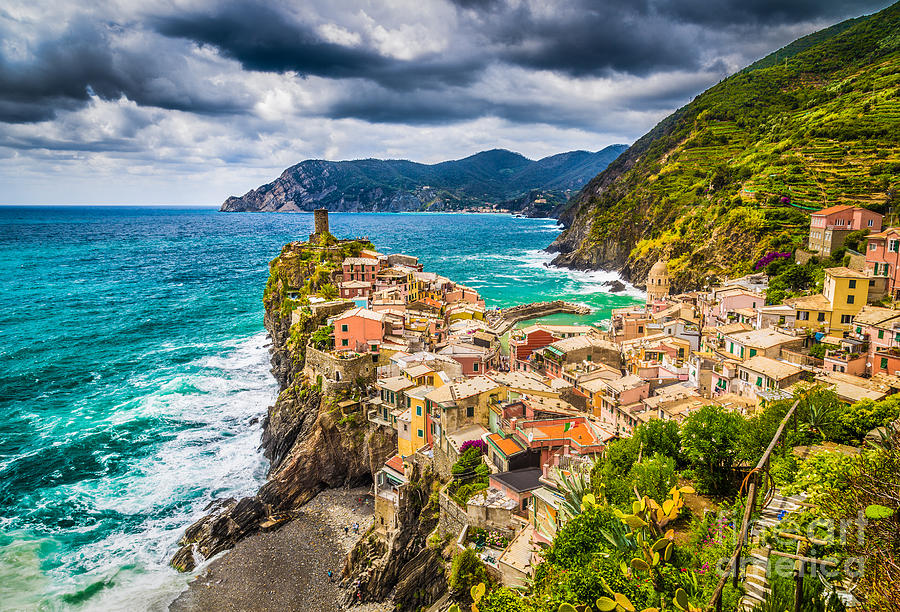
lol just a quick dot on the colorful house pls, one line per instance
(764, 342)
(879, 328)
(828, 228)
(360, 269)
(847, 291)
(883, 258)
(359, 330)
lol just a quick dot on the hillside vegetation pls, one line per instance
(508, 180)
(736, 173)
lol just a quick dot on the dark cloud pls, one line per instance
(64, 72)
(198, 61)
(264, 39)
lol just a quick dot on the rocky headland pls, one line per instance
(316, 439)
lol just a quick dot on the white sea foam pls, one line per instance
(582, 282)
(216, 456)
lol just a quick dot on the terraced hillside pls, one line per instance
(736, 172)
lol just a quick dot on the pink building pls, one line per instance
(355, 289)
(828, 228)
(731, 300)
(360, 269)
(883, 257)
(463, 294)
(879, 329)
(359, 330)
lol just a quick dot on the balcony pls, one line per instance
(376, 418)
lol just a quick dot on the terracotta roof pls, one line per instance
(360, 261)
(733, 327)
(832, 209)
(395, 383)
(418, 370)
(579, 432)
(507, 446)
(395, 463)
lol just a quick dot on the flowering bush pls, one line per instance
(496, 539)
(477, 444)
(768, 258)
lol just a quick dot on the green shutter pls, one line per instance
(880, 334)
(884, 363)
(759, 381)
(752, 352)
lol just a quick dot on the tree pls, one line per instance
(710, 440)
(328, 291)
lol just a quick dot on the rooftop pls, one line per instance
(761, 338)
(774, 369)
(732, 328)
(360, 261)
(395, 463)
(418, 370)
(395, 383)
(809, 302)
(520, 481)
(361, 312)
(875, 315)
(523, 381)
(832, 209)
(507, 446)
(843, 272)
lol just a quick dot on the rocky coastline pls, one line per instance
(313, 446)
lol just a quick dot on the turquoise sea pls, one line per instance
(134, 372)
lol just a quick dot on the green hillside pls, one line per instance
(736, 172)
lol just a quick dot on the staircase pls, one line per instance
(756, 583)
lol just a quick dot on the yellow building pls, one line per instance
(847, 291)
(413, 431)
(813, 311)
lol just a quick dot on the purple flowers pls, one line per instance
(785, 199)
(479, 444)
(769, 258)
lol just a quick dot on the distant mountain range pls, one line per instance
(496, 179)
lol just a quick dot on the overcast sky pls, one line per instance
(188, 102)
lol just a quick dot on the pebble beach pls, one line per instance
(287, 569)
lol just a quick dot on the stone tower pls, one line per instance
(321, 217)
(657, 282)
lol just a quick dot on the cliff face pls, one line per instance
(735, 173)
(311, 444)
(507, 179)
(404, 566)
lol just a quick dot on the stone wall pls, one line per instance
(338, 374)
(454, 517)
(324, 310)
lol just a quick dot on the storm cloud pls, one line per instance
(191, 85)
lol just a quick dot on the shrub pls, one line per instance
(654, 477)
(466, 571)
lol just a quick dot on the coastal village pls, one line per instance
(506, 410)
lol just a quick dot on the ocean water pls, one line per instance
(134, 374)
